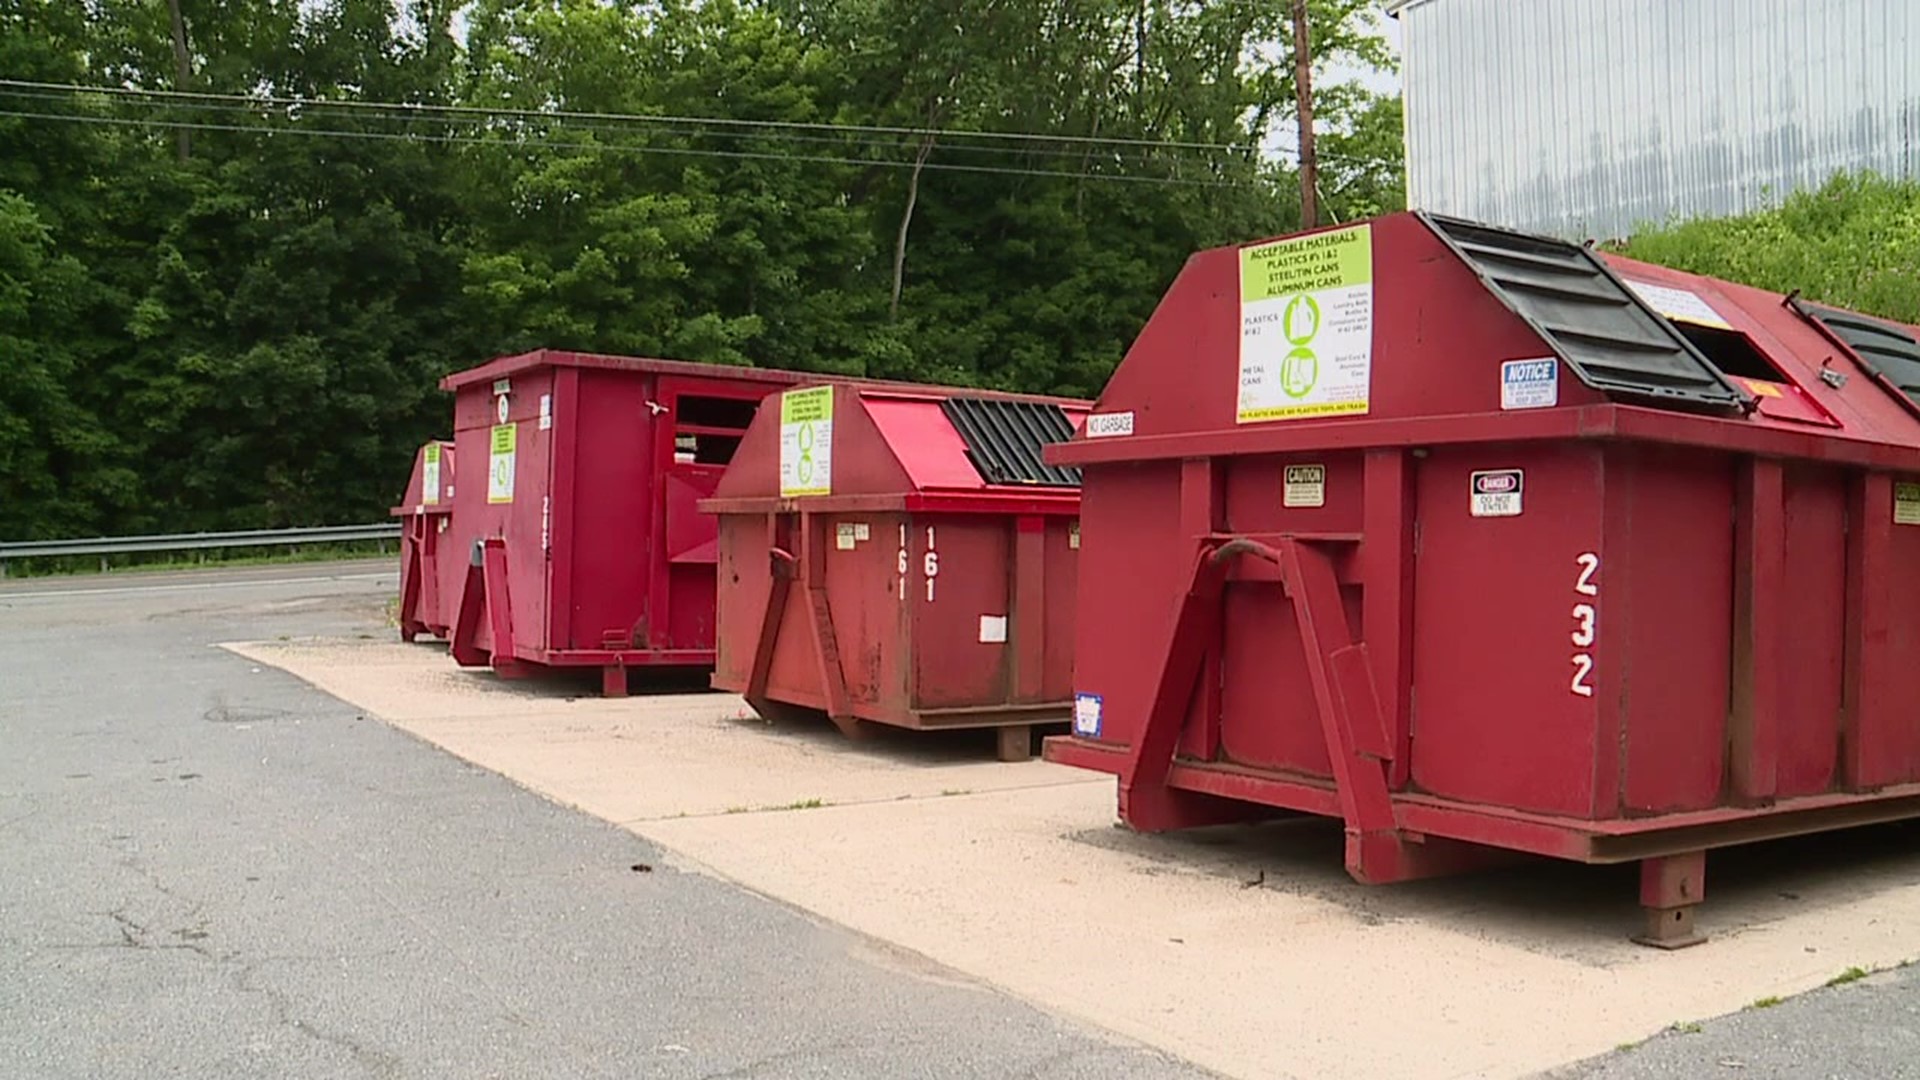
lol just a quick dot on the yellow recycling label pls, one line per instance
(806, 442)
(1306, 326)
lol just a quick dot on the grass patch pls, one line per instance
(1688, 1027)
(1767, 1002)
(804, 804)
(1852, 974)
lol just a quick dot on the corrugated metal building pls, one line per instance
(1584, 118)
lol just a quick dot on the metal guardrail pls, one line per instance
(202, 541)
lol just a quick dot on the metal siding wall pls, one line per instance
(1588, 117)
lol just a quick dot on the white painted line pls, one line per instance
(265, 582)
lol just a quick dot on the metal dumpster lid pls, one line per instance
(1610, 339)
(1886, 350)
(1004, 439)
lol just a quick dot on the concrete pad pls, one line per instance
(1246, 950)
(643, 758)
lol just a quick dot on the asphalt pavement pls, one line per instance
(1866, 1028)
(209, 869)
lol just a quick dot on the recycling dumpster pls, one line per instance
(585, 544)
(1481, 542)
(430, 573)
(901, 557)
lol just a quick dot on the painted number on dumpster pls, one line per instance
(1586, 618)
(500, 464)
(806, 442)
(931, 564)
(903, 562)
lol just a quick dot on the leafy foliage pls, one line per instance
(230, 281)
(1853, 243)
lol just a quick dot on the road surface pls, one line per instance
(209, 869)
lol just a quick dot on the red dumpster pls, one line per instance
(430, 573)
(903, 558)
(585, 545)
(1477, 541)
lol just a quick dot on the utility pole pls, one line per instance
(1303, 107)
(182, 68)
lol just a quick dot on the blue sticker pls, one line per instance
(1086, 715)
(1530, 384)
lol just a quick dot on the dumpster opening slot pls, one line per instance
(1004, 439)
(1731, 351)
(1611, 340)
(707, 430)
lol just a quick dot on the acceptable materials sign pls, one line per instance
(806, 442)
(1306, 326)
(430, 475)
(500, 463)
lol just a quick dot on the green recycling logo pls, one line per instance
(804, 468)
(1301, 368)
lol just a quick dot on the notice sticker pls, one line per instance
(1106, 425)
(1306, 485)
(1496, 493)
(1677, 304)
(993, 629)
(1306, 326)
(806, 442)
(1086, 715)
(1906, 504)
(500, 464)
(1530, 384)
(847, 534)
(546, 411)
(430, 475)
(1073, 536)
(502, 387)
(500, 408)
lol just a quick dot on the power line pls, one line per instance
(635, 118)
(779, 127)
(264, 111)
(811, 159)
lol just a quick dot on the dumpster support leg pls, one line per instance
(833, 678)
(1147, 802)
(428, 564)
(613, 680)
(1013, 742)
(779, 585)
(410, 585)
(1670, 888)
(783, 569)
(485, 595)
(466, 621)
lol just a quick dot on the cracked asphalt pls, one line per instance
(209, 870)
